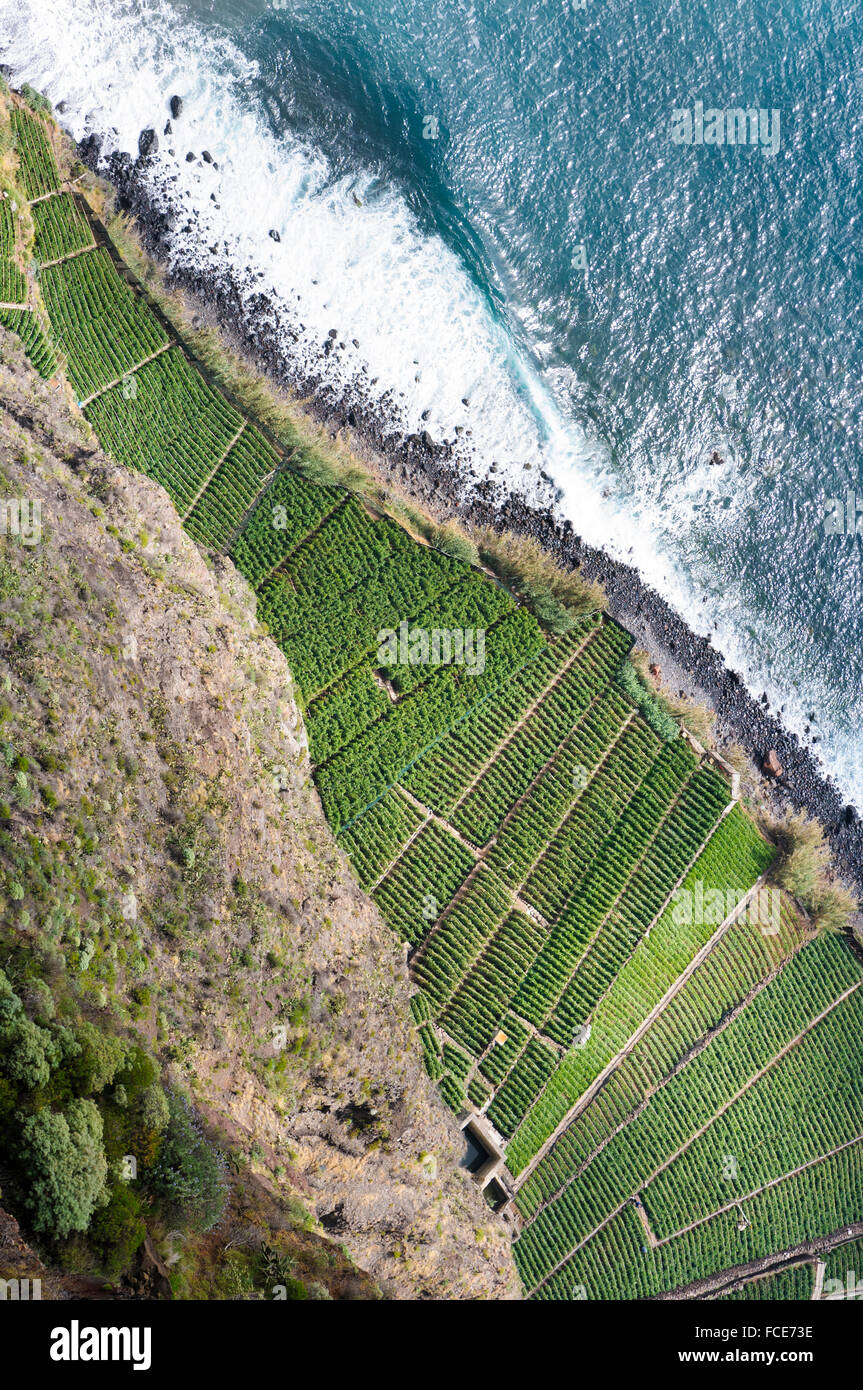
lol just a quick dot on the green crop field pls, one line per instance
(35, 156)
(671, 1077)
(22, 320)
(13, 283)
(61, 230)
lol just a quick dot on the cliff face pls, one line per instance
(166, 766)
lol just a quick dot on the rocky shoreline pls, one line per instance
(430, 472)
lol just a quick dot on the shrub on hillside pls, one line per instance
(99, 1057)
(803, 868)
(63, 1157)
(453, 542)
(117, 1230)
(188, 1175)
(536, 574)
(699, 719)
(651, 706)
(35, 100)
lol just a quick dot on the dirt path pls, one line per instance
(645, 1221)
(439, 821)
(70, 255)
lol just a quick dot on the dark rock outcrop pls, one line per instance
(148, 143)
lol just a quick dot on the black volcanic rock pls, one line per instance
(90, 150)
(148, 143)
(176, 107)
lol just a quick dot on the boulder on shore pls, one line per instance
(90, 149)
(176, 107)
(148, 143)
(771, 766)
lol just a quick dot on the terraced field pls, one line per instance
(672, 1081)
(16, 311)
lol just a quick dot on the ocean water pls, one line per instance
(490, 200)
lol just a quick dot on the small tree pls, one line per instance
(117, 1230)
(63, 1158)
(100, 1057)
(188, 1173)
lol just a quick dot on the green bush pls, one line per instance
(552, 614)
(117, 1230)
(453, 542)
(28, 1053)
(35, 100)
(99, 1058)
(804, 869)
(31, 1055)
(188, 1175)
(534, 572)
(650, 706)
(65, 1163)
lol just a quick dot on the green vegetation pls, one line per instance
(557, 596)
(651, 707)
(36, 158)
(568, 874)
(14, 291)
(803, 869)
(232, 489)
(60, 228)
(37, 345)
(77, 1102)
(618, 1263)
(105, 329)
(13, 283)
(172, 425)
